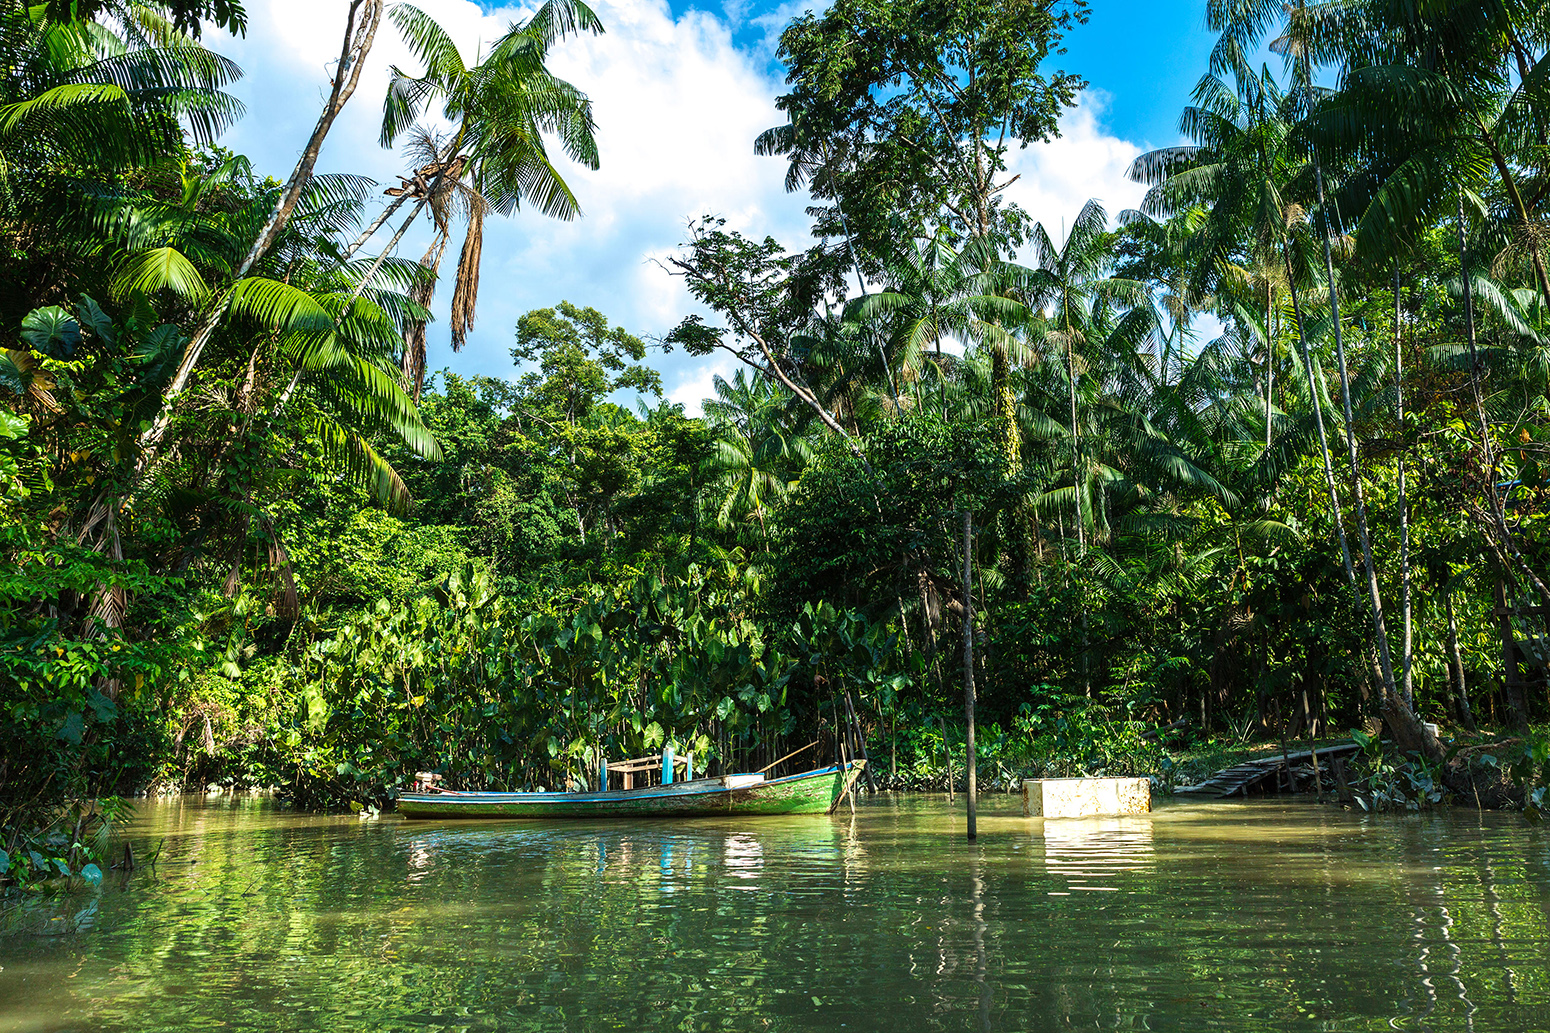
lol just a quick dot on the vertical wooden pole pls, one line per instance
(968, 660)
(947, 758)
(860, 741)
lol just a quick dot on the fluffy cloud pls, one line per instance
(1083, 163)
(678, 104)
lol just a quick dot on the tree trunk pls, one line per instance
(1512, 678)
(1318, 420)
(1460, 689)
(1407, 641)
(1270, 368)
(358, 38)
(371, 231)
(1409, 733)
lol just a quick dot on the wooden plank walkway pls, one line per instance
(1240, 778)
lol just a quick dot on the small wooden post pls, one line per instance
(602, 776)
(947, 757)
(667, 765)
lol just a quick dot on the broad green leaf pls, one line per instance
(52, 331)
(96, 320)
(72, 728)
(162, 268)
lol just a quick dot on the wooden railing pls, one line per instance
(668, 763)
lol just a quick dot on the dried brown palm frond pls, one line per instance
(20, 375)
(287, 605)
(233, 580)
(109, 603)
(413, 364)
(465, 292)
(1527, 240)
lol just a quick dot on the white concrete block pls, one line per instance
(1085, 797)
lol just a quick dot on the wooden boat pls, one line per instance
(812, 792)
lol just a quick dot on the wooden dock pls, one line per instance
(1239, 779)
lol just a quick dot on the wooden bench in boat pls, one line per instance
(668, 763)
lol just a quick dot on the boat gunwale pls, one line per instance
(706, 787)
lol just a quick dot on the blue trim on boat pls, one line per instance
(710, 787)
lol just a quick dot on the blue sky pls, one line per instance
(680, 92)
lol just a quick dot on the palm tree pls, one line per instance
(501, 108)
(79, 104)
(361, 21)
(1074, 293)
(759, 451)
(932, 294)
(1239, 174)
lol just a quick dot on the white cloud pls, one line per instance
(1085, 162)
(697, 383)
(678, 105)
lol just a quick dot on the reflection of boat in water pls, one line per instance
(812, 792)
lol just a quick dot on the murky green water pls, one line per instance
(1247, 917)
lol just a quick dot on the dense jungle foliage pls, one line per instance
(1265, 458)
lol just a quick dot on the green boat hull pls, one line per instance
(813, 792)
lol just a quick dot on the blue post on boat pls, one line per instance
(667, 765)
(602, 776)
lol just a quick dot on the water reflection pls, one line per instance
(1237, 917)
(1093, 854)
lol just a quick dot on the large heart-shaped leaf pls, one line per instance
(52, 331)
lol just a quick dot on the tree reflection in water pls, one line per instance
(1262, 916)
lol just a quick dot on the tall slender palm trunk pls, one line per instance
(1408, 731)
(968, 669)
(1407, 640)
(360, 32)
(1318, 421)
(1458, 686)
(1270, 365)
(1078, 487)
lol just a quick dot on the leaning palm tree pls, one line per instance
(501, 109)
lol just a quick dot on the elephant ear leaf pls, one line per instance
(13, 426)
(52, 331)
(94, 319)
(158, 353)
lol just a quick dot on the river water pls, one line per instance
(1253, 916)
